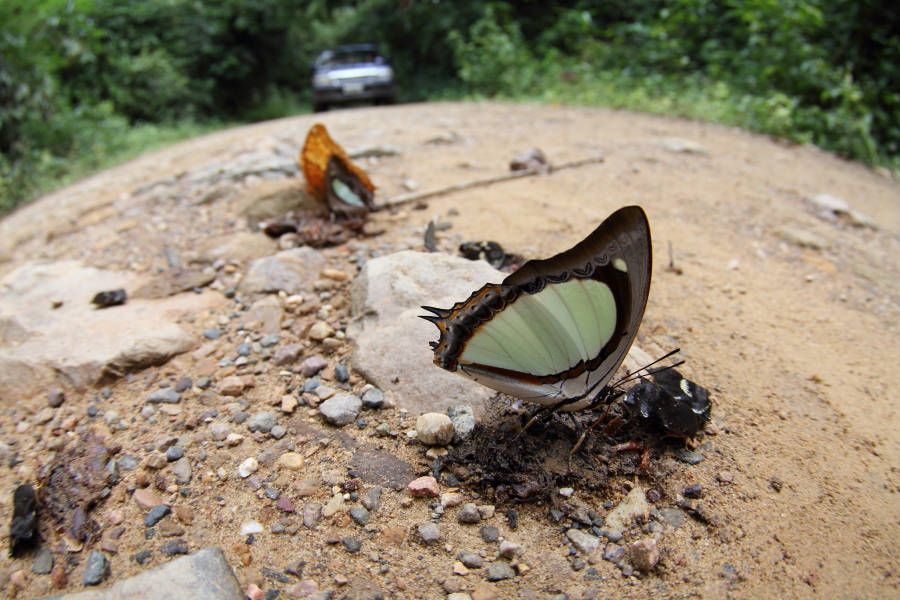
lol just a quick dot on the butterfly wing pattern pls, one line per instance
(332, 177)
(555, 331)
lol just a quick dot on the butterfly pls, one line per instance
(332, 178)
(555, 331)
(679, 405)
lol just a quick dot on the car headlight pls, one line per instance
(321, 81)
(384, 76)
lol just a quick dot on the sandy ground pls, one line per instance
(798, 343)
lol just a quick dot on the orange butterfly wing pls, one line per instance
(319, 147)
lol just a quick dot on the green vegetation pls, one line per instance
(87, 83)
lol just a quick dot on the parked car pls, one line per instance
(350, 74)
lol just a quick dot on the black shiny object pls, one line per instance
(110, 298)
(491, 252)
(679, 405)
(24, 519)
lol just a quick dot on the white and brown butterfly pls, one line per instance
(555, 331)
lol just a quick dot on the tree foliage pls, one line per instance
(76, 74)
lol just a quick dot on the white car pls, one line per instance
(349, 74)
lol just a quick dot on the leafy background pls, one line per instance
(88, 83)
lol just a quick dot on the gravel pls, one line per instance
(97, 569)
(156, 514)
(689, 457)
(341, 409)
(429, 533)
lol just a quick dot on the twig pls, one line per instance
(458, 187)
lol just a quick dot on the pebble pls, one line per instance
(284, 504)
(341, 409)
(673, 517)
(334, 506)
(292, 461)
(342, 374)
(689, 457)
(311, 366)
(173, 547)
(372, 499)
(424, 487)
(170, 529)
(248, 467)
(429, 533)
(463, 418)
(147, 498)
(585, 542)
(240, 417)
(613, 535)
(270, 340)
(510, 550)
(614, 553)
(693, 492)
(184, 384)
(451, 499)
(142, 556)
(644, 554)
(434, 429)
(243, 349)
(490, 534)
(182, 471)
(272, 493)
(325, 392)
(360, 515)
(97, 569)
(468, 513)
(55, 398)
(164, 396)
(470, 560)
(287, 355)
(231, 386)
(320, 330)
(128, 463)
(46, 415)
(212, 333)
(352, 544)
(43, 562)
(288, 404)
(312, 515)
(173, 453)
(233, 439)
(219, 431)
(459, 596)
(263, 422)
(373, 399)
(725, 477)
(251, 528)
(500, 570)
(147, 411)
(156, 514)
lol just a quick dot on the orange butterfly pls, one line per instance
(331, 177)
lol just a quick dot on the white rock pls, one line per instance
(434, 429)
(251, 527)
(633, 505)
(248, 467)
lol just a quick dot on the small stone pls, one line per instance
(373, 399)
(372, 499)
(451, 499)
(342, 374)
(510, 550)
(184, 384)
(212, 333)
(270, 340)
(43, 562)
(169, 529)
(614, 553)
(434, 429)
(424, 487)
(287, 355)
(312, 515)
(288, 404)
(585, 542)
(173, 453)
(312, 365)
(185, 514)
(128, 463)
(334, 506)
(470, 560)
(231, 386)
(55, 398)
(262, 422)
(251, 528)
(97, 569)
(613, 535)
(173, 547)
(164, 396)
(292, 461)
(233, 439)
(829, 202)
(693, 492)
(500, 570)
(147, 498)
(142, 556)
(468, 513)
(243, 349)
(672, 517)
(320, 330)
(725, 477)
(156, 460)
(219, 431)
(341, 409)
(490, 534)
(429, 533)
(352, 544)
(486, 511)
(644, 554)
(360, 515)
(156, 514)
(689, 457)
(182, 471)
(284, 504)
(463, 418)
(460, 569)
(248, 467)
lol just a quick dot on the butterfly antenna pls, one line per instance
(636, 374)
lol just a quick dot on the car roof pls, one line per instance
(355, 48)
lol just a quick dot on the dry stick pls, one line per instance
(458, 187)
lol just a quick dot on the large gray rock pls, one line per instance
(392, 348)
(293, 271)
(203, 575)
(74, 345)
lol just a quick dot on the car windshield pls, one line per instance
(356, 57)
